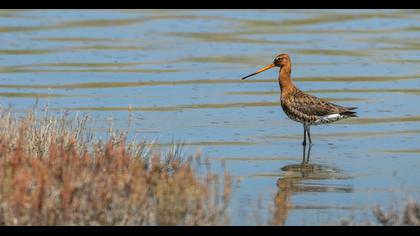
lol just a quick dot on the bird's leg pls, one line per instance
(304, 145)
(309, 135)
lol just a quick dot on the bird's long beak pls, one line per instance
(260, 70)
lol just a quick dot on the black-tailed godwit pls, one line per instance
(302, 107)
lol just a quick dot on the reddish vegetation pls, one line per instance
(52, 175)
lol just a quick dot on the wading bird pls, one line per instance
(302, 107)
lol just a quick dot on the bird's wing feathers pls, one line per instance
(315, 106)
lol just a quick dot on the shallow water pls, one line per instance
(178, 72)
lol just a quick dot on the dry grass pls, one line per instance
(54, 171)
(410, 216)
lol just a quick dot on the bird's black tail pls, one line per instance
(349, 113)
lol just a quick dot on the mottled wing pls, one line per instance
(314, 106)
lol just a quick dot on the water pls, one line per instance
(179, 72)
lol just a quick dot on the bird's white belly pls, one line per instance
(328, 119)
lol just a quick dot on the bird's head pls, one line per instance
(282, 60)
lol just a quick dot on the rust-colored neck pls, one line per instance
(285, 80)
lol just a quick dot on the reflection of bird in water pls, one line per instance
(292, 182)
(302, 107)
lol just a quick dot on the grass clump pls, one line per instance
(55, 171)
(410, 216)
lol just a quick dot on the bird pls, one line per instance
(303, 107)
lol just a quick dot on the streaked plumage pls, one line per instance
(302, 107)
(311, 110)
